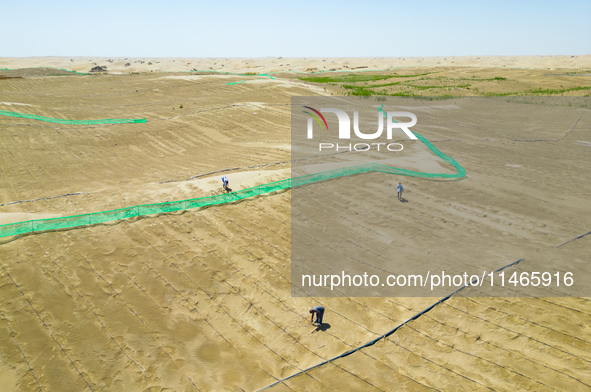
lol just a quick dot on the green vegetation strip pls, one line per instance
(540, 91)
(73, 122)
(41, 225)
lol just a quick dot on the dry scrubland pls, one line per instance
(201, 300)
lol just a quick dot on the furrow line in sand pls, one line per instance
(256, 284)
(530, 321)
(21, 350)
(242, 296)
(453, 347)
(47, 327)
(173, 221)
(438, 365)
(96, 315)
(497, 346)
(16, 172)
(333, 310)
(214, 301)
(277, 219)
(191, 307)
(518, 333)
(205, 291)
(137, 315)
(143, 290)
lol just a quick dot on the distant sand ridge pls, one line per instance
(278, 64)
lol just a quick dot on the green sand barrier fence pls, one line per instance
(242, 81)
(73, 122)
(41, 225)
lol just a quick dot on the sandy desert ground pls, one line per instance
(201, 299)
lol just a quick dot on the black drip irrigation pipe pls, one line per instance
(200, 175)
(43, 198)
(576, 238)
(279, 163)
(557, 140)
(371, 343)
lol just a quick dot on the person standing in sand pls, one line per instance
(225, 182)
(399, 190)
(319, 312)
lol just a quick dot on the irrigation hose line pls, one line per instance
(372, 342)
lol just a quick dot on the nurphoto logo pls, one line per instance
(345, 123)
(345, 128)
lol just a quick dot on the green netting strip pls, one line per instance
(73, 122)
(40, 225)
(242, 81)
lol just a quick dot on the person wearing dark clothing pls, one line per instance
(319, 312)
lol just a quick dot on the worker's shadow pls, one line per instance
(402, 199)
(322, 327)
(227, 189)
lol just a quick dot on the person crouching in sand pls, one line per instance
(319, 312)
